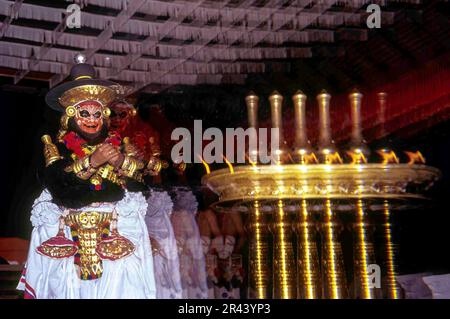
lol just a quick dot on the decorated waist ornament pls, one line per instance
(58, 246)
(95, 238)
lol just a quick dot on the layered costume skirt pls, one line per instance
(62, 277)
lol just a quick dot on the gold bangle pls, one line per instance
(126, 163)
(132, 167)
(154, 166)
(86, 162)
(82, 166)
(77, 166)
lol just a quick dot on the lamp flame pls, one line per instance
(307, 157)
(388, 157)
(251, 162)
(207, 169)
(332, 157)
(230, 166)
(415, 157)
(357, 157)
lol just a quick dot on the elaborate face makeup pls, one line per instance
(120, 116)
(89, 117)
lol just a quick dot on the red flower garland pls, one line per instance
(76, 144)
(114, 139)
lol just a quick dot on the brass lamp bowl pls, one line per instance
(340, 181)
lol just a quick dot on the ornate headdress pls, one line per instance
(124, 95)
(83, 87)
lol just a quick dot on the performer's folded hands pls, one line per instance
(106, 153)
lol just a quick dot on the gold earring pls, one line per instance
(133, 112)
(106, 112)
(70, 111)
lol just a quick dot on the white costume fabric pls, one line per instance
(190, 252)
(130, 277)
(166, 263)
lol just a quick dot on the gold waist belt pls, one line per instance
(87, 230)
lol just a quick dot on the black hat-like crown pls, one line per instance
(83, 86)
(82, 71)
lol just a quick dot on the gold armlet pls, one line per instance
(51, 152)
(107, 172)
(155, 165)
(129, 166)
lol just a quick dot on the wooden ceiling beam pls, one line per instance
(20, 50)
(245, 4)
(274, 9)
(92, 21)
(150, 43)
(116, 23)
(126, 75)
(43, 51)
(14, 10)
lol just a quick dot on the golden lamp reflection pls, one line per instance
(308, 269)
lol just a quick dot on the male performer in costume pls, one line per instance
(89, 238)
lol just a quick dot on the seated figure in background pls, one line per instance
(223, 236)
(192, 261)
(92, 204)
(228, 248)
(209, 230)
